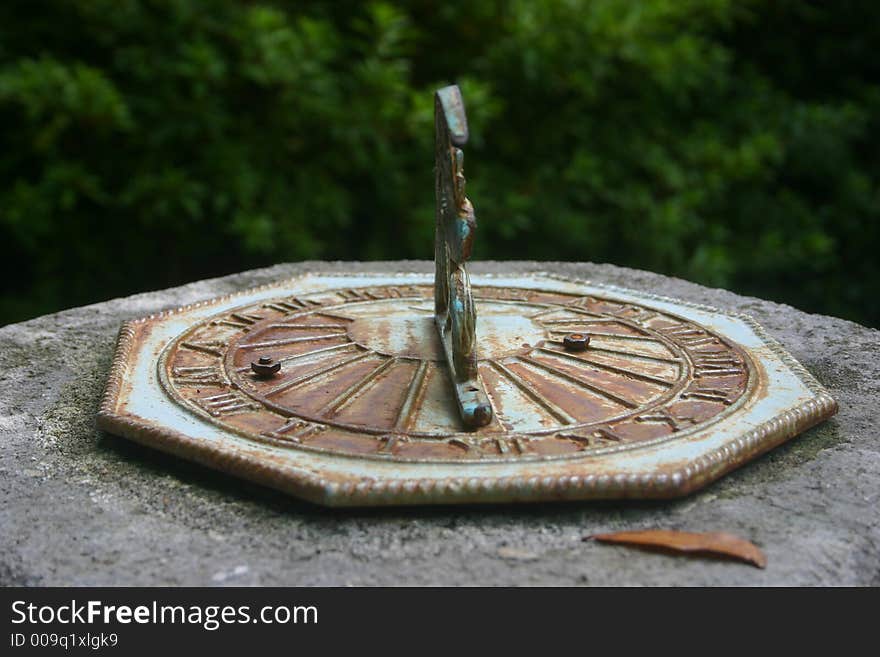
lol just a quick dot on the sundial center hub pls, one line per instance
(411, 334)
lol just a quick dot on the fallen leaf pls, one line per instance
(717, 544)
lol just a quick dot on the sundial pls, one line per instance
(403, 388)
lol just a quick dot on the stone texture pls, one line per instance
(80, 507)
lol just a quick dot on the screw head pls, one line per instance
(265, 366)
(576, 342)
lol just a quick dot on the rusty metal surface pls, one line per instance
(454, 309)
(666, 397)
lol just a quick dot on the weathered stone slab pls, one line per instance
(83, 507)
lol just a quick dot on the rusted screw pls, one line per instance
(576, 342)
(265, 366)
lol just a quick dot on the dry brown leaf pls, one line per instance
(718, 544)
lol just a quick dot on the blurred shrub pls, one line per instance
(145, 143)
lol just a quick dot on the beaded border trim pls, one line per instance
(323, 490)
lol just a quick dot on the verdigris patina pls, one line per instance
(78, 506)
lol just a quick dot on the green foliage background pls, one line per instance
(146, 143)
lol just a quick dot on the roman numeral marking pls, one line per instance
(388, 442)
(227, 403)
(197, 376)
(394, 292)
(360, 295)
(582, 302)
(511, 445)
(683, 330)
(663, 416)
(689, 336)
(212, 348)
(720, 364)
(465, 443)
(401, 292)
(308, 327)
(596, 438)
(238, 320)
(292, 305)
(708, 394)
(294, 430)
(503, 445)
(637, 314)
(695, 342)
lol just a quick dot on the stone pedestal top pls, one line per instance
(81, 507)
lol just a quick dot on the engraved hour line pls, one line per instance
(569, 320)
(567, 309)
(515, 300)
(406, 414)
(610, 368)
(623, 401)
(306, 354)
(532, 394)
(334, 315)
(388, 443)
(287, 385)
(280, 342)
(348, 395)
(634, 354)
(603, 334)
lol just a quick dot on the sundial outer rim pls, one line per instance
(318, 487)
(657, 403)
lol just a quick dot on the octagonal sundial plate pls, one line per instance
(667, 397)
